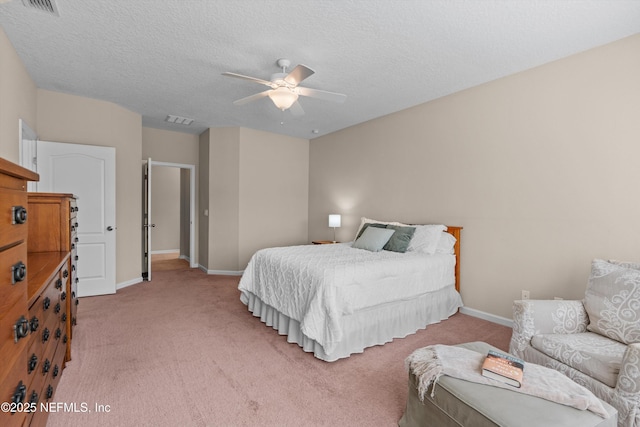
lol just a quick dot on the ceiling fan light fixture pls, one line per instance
(283, 97)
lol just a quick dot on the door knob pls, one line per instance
(109, 228)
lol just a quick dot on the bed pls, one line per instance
(335, 300)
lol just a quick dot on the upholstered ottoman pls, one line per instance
(463, 403)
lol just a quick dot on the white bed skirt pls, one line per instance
(366, 328)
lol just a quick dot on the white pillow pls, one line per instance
(426, 238)
(446, 244)
(364, 220)
(373, 239)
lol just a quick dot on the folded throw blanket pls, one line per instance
(431, 362)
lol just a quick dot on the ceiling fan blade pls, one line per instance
(253, 79)
(296, 109)
(248, 99)
(298, 74)
(321, 94)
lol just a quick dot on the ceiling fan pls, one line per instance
(284, 90)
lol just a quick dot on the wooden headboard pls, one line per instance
(455, 232)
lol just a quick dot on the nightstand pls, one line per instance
(323, 242)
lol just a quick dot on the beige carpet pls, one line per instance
(182, 350)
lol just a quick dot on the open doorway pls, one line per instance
(168, 217)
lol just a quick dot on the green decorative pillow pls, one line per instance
(399, 242)
(370, 224)
(373, 239)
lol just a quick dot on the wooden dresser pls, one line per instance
(35, 302)
(55, 229)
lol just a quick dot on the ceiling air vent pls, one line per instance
(48, 6)
(178, 120)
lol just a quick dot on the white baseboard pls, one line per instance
(128, 283)
(487, 316)
(221, 272)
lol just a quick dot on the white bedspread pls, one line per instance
(317, 284)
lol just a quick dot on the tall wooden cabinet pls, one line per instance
(36, 296)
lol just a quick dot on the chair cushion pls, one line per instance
(612, 300)
(590, 353)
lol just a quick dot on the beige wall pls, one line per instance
(258, 194)
(165, 208)
(18, 99)
(172, 147)
(274, 191)
(167, 146)
(224, 193)
(540, 168)
(78, 120)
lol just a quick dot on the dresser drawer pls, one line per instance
(8, 345)
(13, 275)
(13, 216)
(48, 300)
(14, 381)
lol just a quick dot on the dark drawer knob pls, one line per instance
(34, 324)
(46, 302)
(76, 257)
(58, 333)
(56, 371)
(76, 240)
(33, 362)
(18, 215)
(56, 309)
(73, 321)
(59, 284)
(63, 296)
(46, 366)
(18, 272)
(65, 274)
(65, 339)
(45, 335)
(77, 301)
(49, 392)
(20, 393)
(21, 328)
(63, 318)
(34, 398)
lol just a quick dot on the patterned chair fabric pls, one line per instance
(595, 342)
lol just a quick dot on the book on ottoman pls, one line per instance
(503, 367)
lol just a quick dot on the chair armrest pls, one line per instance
(628, 385)
(534, 317)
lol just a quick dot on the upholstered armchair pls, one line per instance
(595, 342)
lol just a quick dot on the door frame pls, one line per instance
(192, 206)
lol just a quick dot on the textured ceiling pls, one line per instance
(160, 57)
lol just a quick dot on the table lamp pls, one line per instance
(334, 221)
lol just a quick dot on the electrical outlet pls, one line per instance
(525, 294)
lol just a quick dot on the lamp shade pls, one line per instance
(283, 97)
(334, 220)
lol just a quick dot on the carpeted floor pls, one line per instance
(183, 350)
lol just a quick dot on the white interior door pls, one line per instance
(89, 172)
